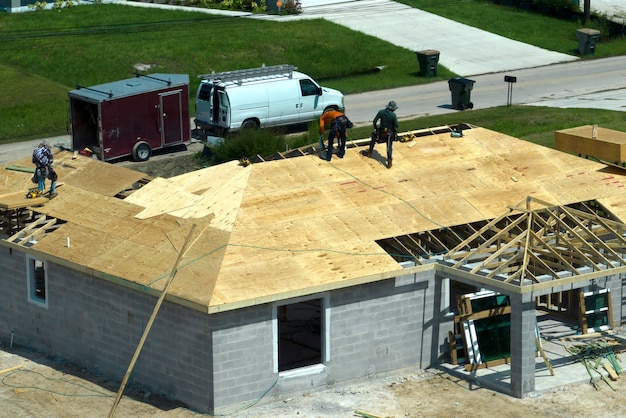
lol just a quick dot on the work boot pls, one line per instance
(367, 153)
(389, 160)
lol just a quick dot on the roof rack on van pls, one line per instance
(240, 75)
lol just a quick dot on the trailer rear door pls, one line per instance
(171, 117)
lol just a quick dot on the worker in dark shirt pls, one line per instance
(385, 129)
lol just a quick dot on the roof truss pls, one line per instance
(532, 242)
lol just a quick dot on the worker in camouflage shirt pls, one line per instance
(43, 160)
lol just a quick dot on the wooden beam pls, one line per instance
(35, 224)
(182, 252)
(11, 369)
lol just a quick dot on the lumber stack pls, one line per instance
(593, 141)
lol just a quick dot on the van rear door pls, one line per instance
(204, 96)
(222, 109)
(311, 103)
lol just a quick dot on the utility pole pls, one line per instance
(587, 11)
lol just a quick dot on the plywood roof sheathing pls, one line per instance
(296, 225)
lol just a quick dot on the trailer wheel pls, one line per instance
(142, 151)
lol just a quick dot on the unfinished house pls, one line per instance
(298, 273)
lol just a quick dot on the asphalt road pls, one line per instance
(589, 83)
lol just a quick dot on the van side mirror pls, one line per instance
(319, 91)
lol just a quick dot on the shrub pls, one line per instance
(247, 143)
(292, 7)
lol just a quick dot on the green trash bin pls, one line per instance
(587, 39)
(461, 89)
(428, 60)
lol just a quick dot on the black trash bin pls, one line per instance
(461, 89)
(587, 39)
(428, 60)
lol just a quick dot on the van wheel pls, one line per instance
(249, 124)
(142, 151)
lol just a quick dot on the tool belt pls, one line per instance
(380, 135)
(340, 123)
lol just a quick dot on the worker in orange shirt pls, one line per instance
(338, 123)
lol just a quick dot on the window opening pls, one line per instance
(299, 334)
(37, 281)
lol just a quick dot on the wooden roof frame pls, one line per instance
(526, 247)
(534, 245)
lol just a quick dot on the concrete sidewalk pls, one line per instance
(463, 49)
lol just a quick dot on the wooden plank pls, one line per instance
(25, 232)
(10, 369)
(502, 310)
(543, 355)
(19, 200)
(182, 252)
(487, 364)
(37, 232)
(452, 347)
(20, 168)
(366, 414)
(609, 369)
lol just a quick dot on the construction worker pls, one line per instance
(385, 131)
(43, 160)
(338, 123)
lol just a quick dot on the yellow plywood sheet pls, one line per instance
(19, 200)
(206, 192)
(160, 196)
(290, 227)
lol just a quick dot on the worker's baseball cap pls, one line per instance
(392, 105)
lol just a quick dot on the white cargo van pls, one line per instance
(261, 97)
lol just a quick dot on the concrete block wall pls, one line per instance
(383, 326)
(523, 325)
(374, 328)
(97, 325)
(243, 356)
(217, 363)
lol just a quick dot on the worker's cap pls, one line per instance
(392, 106)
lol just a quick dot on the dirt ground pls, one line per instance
(48, 387)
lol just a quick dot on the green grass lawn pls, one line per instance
(45, 54)
(89, 45)
(543, 31)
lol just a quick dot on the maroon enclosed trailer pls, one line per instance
(131, 117)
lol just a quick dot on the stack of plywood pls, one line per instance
(593, 141)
